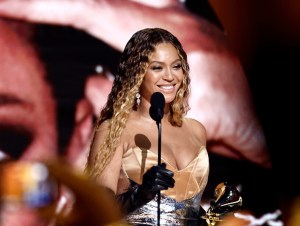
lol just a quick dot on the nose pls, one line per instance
(168, 75)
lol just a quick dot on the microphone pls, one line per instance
(157, 113)
(157, 106)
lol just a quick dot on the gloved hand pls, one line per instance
(156, 178)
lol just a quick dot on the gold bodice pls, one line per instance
(180, 204)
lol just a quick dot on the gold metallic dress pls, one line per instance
(179, 205)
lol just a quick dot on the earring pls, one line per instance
(138, 98)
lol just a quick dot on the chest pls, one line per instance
(188, 181)
(178, 146)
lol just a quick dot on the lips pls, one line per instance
(167, 87)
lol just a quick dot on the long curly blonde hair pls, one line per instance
(121, 100)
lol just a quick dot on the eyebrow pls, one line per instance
(156, 61)
(9, 100)
(6, 99)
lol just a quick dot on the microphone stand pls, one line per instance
(157, 112)
(159, 163)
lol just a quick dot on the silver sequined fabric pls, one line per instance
(172, 213)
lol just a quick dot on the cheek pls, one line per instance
(179, 76)
(147, 86)
(150, 79)
(180, 80)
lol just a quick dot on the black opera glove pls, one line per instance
(155, 179)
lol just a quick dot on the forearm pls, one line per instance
(132, 199)
(114, 21)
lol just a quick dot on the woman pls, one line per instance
(124, 151)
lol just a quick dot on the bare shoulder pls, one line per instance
(196, 128)
(102, 127)
(194, 124)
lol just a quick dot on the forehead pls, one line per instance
(23, 87)
(164, 51)
(20, 69)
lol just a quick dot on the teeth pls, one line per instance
(166, 87)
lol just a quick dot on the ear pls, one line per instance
(97, 89)
(77, 149)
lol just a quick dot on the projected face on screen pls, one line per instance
(220, 96)
(27, 109)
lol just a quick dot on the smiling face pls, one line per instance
(164, 73)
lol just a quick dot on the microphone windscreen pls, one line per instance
(158, 100)
(157, 106)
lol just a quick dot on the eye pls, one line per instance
(177, 66)
(156, 68)
(14, 139)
